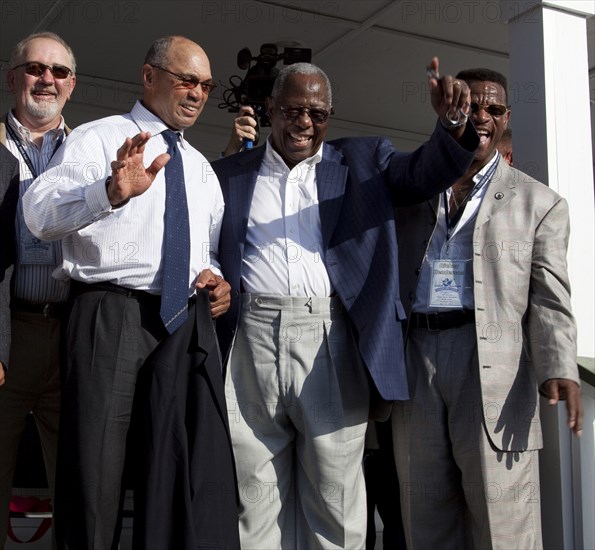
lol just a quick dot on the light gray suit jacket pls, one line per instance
(526, 333)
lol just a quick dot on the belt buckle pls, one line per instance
(436, 316)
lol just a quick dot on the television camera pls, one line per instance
(257, 85)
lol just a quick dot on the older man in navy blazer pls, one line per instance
(308, 245)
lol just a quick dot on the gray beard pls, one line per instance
(43, 109)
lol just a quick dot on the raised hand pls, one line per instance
(450, 97)
(129, 176)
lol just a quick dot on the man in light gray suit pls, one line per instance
(483, 280)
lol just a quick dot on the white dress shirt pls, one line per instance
(122, 245)
(36, 260)
(283, 254)
(458, 247)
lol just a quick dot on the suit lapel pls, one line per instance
(331, 177)
(241, 190)
(499, 193)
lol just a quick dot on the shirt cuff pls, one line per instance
(97, 199)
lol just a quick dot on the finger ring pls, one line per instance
(456, 83)
(459, 119)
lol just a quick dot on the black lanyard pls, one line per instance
(450, 224)
(24, 153)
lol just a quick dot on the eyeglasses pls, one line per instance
(493, 109)
(317, 116)
(36, 68)
(190, 82)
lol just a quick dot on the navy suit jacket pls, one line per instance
(359, 180)
(185, 491)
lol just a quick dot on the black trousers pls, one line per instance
(382, 489)
(110, 334)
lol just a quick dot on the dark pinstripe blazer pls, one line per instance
(185, 490)
(358, 180)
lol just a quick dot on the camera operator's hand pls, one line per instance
(244, 127)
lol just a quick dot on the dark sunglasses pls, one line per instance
(492, 109)
(190, 82)
(36, 68)
(317, 116)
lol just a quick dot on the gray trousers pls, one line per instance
(109, 337)
(457, 490)
(298, 402)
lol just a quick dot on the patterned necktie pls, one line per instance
(176, 242)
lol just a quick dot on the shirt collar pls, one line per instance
(272, 157)
(25, 134)
(150, 122)
(485, 169)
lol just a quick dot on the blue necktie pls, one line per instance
(176, 241)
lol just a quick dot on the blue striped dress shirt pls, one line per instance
(33, 279)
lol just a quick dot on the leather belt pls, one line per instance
(77, 287)
(54, 310)
(142, 296)
(442, 320)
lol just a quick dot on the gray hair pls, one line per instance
(300, 69)
(158, 53)
(18, 52)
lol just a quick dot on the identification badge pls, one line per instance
(447, 284)
(33, 250)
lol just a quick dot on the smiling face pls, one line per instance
(298, 139)
(489, 127)
(39, 100)
(165, 95)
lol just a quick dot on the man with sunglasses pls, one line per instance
(309, 248)
(109, 206)
(484, 283)
(41, 77)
